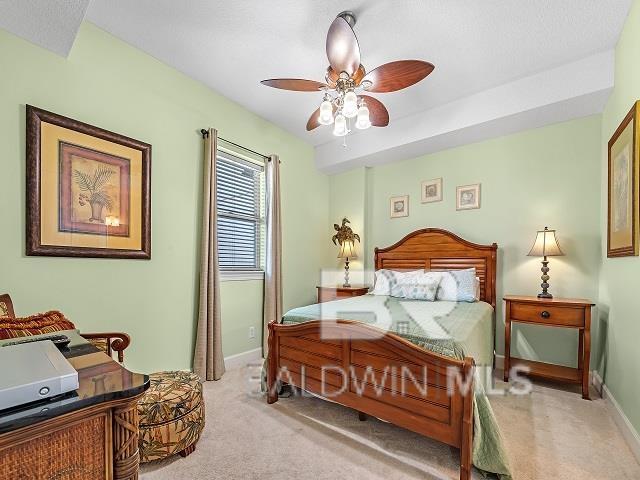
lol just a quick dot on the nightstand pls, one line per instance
(552, 312)
(326, 294)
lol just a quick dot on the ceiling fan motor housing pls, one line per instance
(349, 17)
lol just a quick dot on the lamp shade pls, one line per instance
(546, 244)
(347, 250)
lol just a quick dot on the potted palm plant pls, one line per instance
(96, 195)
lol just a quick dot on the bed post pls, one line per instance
(272, 365)
(466, 446)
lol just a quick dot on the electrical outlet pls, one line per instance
(252, 332)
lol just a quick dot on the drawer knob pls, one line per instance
(545, 314)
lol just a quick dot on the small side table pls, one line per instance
(552, 312)
(327, 294)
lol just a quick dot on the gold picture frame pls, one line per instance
(622, 187)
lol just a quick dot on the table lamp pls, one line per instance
(347, 251)
(546, 245)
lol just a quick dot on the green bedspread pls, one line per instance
(449, 328)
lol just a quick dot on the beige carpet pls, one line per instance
(551, 434)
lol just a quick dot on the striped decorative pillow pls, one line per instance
(38, 324)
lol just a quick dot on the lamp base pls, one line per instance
(545, 279)
(346, 283)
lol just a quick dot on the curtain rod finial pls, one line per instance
(205, 133)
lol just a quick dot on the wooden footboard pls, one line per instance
(379, 374)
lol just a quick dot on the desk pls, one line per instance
(88, 434)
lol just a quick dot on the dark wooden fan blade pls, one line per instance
(394, 76)
(378, 114)
(314, 121)
(295, 84)
(343, 51)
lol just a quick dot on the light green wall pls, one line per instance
(619, 294)
(109, 84)
(543, 177)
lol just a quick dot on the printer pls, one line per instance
(33, 371)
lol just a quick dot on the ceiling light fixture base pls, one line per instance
(349, 17)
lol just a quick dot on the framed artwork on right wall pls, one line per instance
(622, 211)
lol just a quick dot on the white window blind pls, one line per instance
(240, 202)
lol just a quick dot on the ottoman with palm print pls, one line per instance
(171, 415)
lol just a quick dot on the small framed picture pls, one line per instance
(432, 190)
(468, 197)
(399, 206)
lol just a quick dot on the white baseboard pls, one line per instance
(240, 360)
(598, 384)
(628, 431)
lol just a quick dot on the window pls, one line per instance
(240, 202)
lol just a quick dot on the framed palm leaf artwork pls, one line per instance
(623, 189)
(88, 190)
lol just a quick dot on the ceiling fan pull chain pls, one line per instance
(344, 139)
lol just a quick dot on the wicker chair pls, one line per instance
(110, 343)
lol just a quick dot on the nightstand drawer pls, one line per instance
(547, 314)
(327, 294)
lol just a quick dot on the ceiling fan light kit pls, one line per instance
(326, 111)
(347, 80)
(340, 126)
(363, 122)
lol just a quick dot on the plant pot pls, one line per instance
(96, 211)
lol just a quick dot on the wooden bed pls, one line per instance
(309, 354)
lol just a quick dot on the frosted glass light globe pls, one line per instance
(340, 127)
(363, 121)
(326, 113)
(350, 105)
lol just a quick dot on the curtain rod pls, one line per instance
(205, 134)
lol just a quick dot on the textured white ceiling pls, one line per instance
(475, 45)
(496, 46)
(52, 24)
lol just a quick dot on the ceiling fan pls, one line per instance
(346, 80)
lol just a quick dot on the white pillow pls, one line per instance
(458, 286)
(386, 279)
(423, 286)
(477, 288)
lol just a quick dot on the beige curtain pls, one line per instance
(208, 361)
(273, 265)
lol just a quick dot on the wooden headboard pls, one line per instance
(435, 249)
